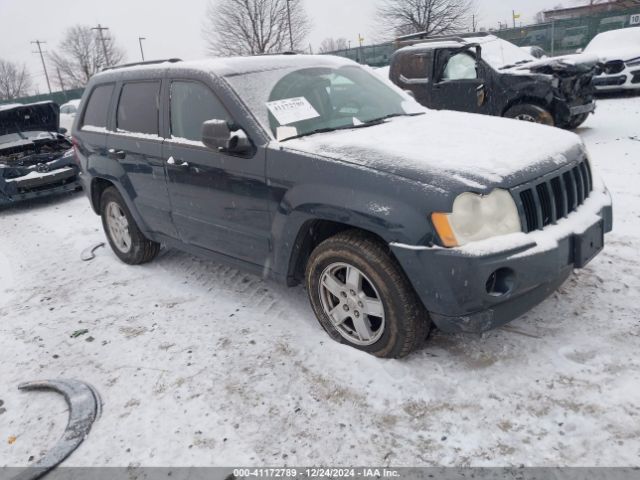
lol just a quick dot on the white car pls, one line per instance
(68, 114)
(619, 50)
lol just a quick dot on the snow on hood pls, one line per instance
(565, 62)
(438, 148)
(625, 54)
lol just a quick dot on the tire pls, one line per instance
(576, 121)
(125, 238)
(404, 324)
(531, 113)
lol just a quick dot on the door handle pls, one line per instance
(117, 154)
(175, 163)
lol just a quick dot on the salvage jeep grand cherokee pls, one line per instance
(313, 169)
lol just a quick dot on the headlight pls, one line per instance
(476, 217)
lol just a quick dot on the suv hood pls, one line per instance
(568, 64)
(450, 149)
(43, 116)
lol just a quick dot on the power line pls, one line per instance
(44, 65)
(100, 29)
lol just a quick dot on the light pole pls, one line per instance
(290, 28)
(141, 50)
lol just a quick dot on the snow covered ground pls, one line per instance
(201, 364)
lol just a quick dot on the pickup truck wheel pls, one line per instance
(125, 238)
(531, 113)
(362, 298)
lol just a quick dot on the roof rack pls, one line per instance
(136, 64)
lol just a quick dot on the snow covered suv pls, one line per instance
(312, 169)
(619, 52)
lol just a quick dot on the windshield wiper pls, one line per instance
(511, 65)
(392, 115)
(368, 123)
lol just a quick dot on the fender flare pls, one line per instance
(85, 407)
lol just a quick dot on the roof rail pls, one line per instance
(135, 64)
(438, 38)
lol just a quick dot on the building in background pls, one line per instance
(597, 9)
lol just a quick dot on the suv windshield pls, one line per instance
(292, 101)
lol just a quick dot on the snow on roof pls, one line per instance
(225, 66)
(442, 44)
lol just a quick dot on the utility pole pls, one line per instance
(141, 50)
(100, 29)
(44, 65)
(290, 28)
(473, 22)
(60, 79)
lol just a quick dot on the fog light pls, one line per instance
(501, 282)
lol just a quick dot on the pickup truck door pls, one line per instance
(218, 200)
(457, 84)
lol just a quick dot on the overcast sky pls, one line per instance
(173, 28)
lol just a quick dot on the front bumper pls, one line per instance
(51, 183)
(467, 290)
(582, 109)
(626, 80)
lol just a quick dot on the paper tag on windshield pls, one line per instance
(292, 110)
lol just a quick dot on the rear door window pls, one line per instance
(138, 108)
(98, 107)
(192, 104)
(414, 66)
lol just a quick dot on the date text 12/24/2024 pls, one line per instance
(314, 473)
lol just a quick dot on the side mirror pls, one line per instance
(217, 135)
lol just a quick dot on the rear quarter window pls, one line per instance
(138, 108)
(97, 111)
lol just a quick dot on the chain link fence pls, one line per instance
(556, 38)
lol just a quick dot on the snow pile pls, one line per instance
(201, 364)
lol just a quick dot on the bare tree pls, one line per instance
(15, 81)
(333, 44)
(250, 27)
(435, 17)
(81, 55)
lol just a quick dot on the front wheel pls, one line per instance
(362, 298)
(125, 238)
(531, 113)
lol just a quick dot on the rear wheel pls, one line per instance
(125, 238)
(530, 113)
(362, 298)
